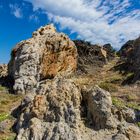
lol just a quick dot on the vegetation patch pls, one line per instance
(3, 116)
(108, 87)
(121, 104)
(133, 105)
(118, 102)
(138, 123)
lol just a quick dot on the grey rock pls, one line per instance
(53, 114)
(119, 137)
(99, 104)
(46, 55)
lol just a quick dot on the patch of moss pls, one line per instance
(3, 117)
(133, 105)
(118, 102)
(108, 87)
(12, 137)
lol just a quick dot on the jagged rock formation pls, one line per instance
(55, 107)
(53, 114)
(58, 113)
(44, 56)
(89, 56)
(92, 56)
(130, 54)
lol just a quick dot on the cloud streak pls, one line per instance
(97, 21)
(16, 11)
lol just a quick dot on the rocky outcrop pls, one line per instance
(44, 56)
(61, 111)
(130, 54)
(99, 104)
(53, 114)
(90, 56)
(55, 107)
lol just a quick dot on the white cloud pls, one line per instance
(16, 11)
(98, 21)
(34, 18)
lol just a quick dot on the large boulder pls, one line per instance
(46, 55)
(99, 104)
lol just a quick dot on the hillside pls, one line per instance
(55, 88)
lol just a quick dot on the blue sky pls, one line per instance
(97, 21)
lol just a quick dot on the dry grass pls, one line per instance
(111, 80)
(7, 103)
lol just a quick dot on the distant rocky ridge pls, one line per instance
(92, 56)
(130, 55)
(55, 107)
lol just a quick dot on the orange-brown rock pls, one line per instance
(46, 55)
(39, 106)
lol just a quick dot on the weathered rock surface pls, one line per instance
(90, 56)
(44, 56)
(99, 104)
(53, 114)
(57, 112)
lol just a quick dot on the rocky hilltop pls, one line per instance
(89, 56)
(57, 105)
(130, 55)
